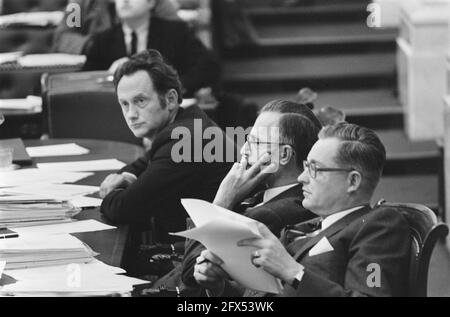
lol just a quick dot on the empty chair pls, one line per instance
(425, 233)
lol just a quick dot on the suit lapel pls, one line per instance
(120, 42)
(154, 34)
(294, 191)
(328, 233)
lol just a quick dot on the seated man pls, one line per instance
(96, 16)
(139, 31)
(149, 92)
(357, 252)
(288, 131)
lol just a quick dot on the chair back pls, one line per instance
(425, 233)
(84, 105)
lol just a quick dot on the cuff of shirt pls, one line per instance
(131, 178)
(299, 277)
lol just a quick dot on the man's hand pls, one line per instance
(271, 256)
(209, 274)
(115, 66)
(113, 182)
(240, 181)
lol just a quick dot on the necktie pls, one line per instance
(134, 43)
(251, 202)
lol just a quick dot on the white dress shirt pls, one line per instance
(142, 37)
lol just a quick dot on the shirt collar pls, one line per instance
(271, 193)
(332, 219)
(143, 28)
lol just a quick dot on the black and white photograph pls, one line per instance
(224, 154)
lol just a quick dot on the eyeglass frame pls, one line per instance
(313, 174)
(257, 142)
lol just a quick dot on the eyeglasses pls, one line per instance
(313, 169)
(252, 140)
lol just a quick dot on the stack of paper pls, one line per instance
(33, 18)
(57, 150)
(24, 213)
(54, 191)
(48, 60)
(10, 57)
(40, 251)
(91, 279)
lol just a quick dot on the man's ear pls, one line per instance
(354, 180)
(172, 99)
(286, 154)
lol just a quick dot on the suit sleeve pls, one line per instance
(138, 166)
(156, 184)
(94, 55)
(380, 254)
(200, 66)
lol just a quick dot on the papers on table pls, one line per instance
(10, 57)
(31, 104)
(38, 251)
(34, 175)
(67, 228)
(85, 166)
(48, 60)
(23, 213)
(86, 202)
(86, 279)
(33, 18)
(71, 149)
(220, 230)
(55, 191)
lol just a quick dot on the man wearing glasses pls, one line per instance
(353, 250)
(279, 141)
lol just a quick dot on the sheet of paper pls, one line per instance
(64, 242)
(57, 191)
(86, 202)
(9, 57)
(71, 149)
(220, 230)
(31, 103)
(57, 229)
(42, 18)
(35, 175)
(94, 267)
(85, 166)
(40, 60)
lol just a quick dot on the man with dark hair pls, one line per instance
(139, 30)
(355, 251)
(284, 133)
(149, 92)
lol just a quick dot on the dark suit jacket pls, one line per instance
(283, 210)
(361, 239)
(196, 66)
(162, 183)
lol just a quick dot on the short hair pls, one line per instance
(360, 148)
(163, 75)
(299, 126)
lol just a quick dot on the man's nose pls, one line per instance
(245, 150)
(303, 177)
(132, 113)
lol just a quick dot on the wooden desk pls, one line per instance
(110, 244)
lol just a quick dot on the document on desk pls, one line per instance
(71, 149)
(64, 228)
(220, 230)
(35, 175)
(86, 202)
(85, 166)
(37, 251)
(56, 191)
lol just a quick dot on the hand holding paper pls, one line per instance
(220, 230)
